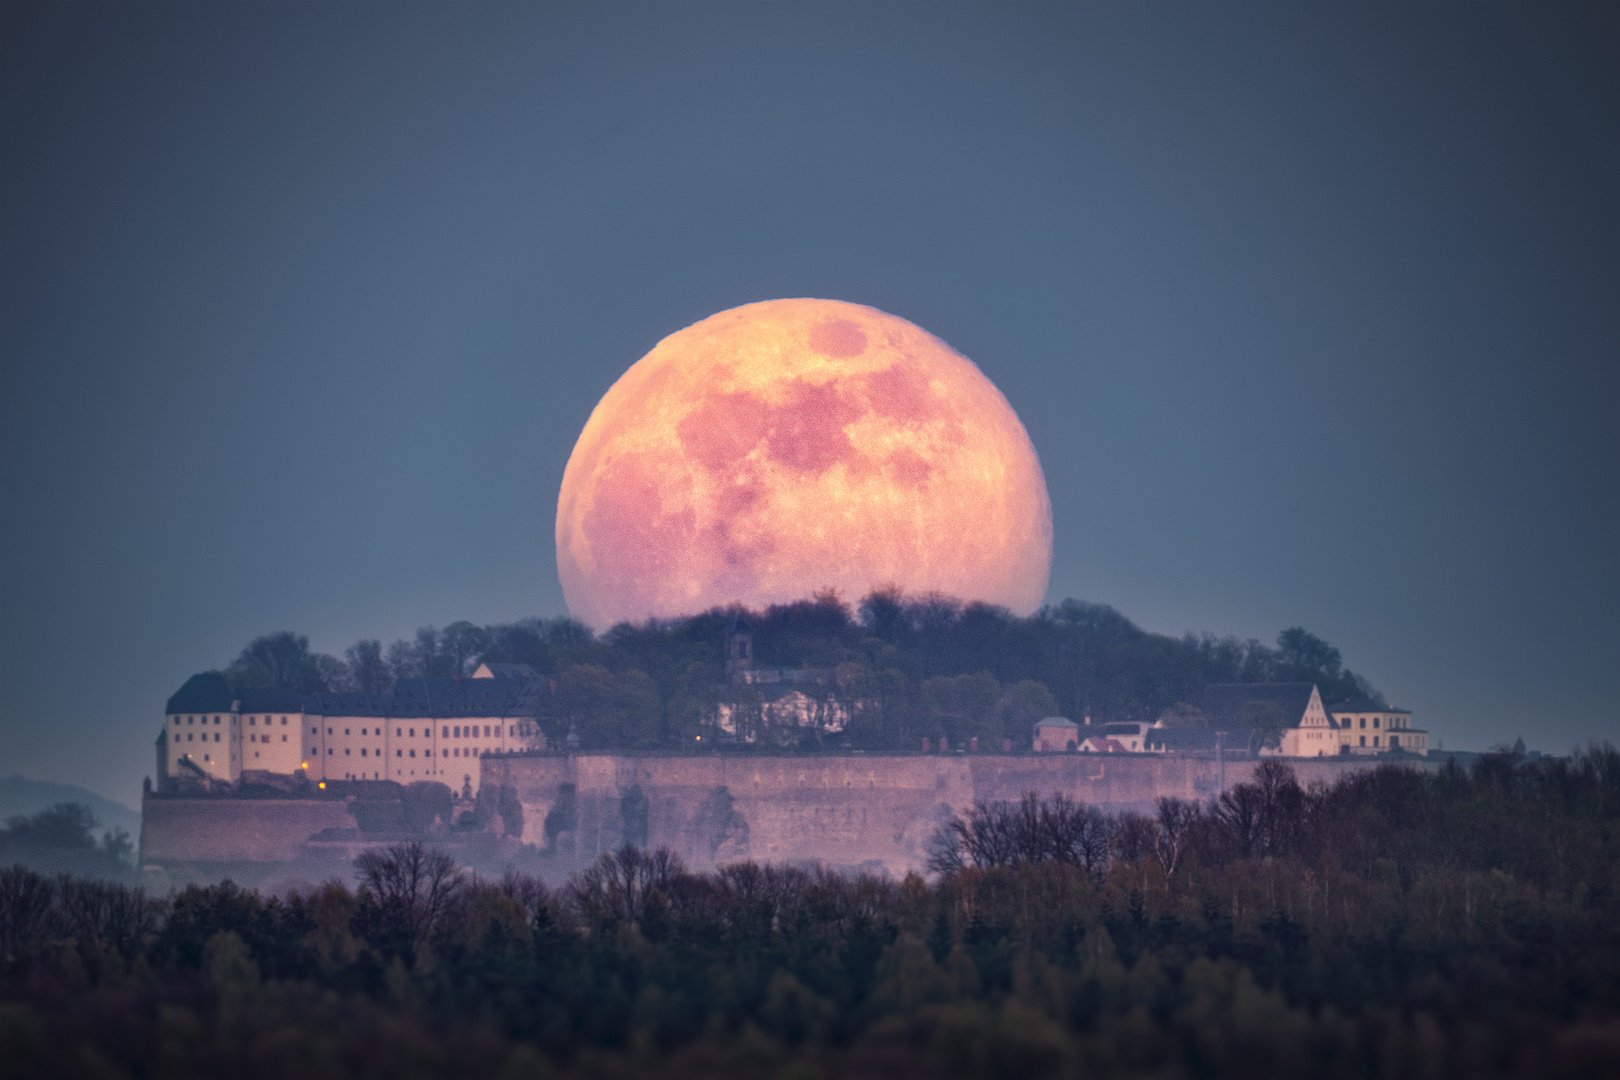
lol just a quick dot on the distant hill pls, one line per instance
(20, 796)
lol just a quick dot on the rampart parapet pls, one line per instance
(852, 811)
(857, 810)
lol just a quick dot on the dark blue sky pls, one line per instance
(1310, 310)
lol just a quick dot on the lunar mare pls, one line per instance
(784, 447)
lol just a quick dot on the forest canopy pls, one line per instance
(919, 667)
(1401, 923)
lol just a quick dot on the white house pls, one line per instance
(1305, 728)
(1366, 727)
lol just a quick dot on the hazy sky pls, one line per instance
(1310, 310)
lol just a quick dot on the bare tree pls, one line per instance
(1032, 830)
(416, 884)
(531, 892)
(1077, 834)
(1134, 836)
(944, 850)
(987, 835)
(25, 903)
(463, 643)
(1176, 820)
(367, 667)
(277, 659)
(1238, 813)
(1282, 807)
(103, 913)
(617, 885)
(403, 661)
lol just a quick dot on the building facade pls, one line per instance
(424, 729)
(1368, 727)
(1056, 734)
(1304, 727)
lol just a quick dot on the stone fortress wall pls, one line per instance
(254, 842)
(852, 811)
(868, 811)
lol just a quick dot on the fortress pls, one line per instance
(267, 778)
(422, 730)
(855, 811)
(873, 812)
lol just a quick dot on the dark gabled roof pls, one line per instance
(1367, 705)
(410, 698)
(207, 692)
(447, 698)
(271, 699)
(347, 704)
(1228, 704)
(210, 692)
(1189, 739)
(739, 625)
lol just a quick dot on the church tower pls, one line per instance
(739, 649)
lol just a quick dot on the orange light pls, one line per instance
(322, 785)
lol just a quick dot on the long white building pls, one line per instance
(424, 729)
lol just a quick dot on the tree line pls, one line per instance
(61, 838)
(901, 668)
(1399, 923)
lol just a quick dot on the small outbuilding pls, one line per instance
(1056, 734)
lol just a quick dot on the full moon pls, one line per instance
(789, 446)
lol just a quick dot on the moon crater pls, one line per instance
(792, 445)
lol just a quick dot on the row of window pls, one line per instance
(462, 731)
(251, 738)
(451, 731)
(331, 751)
(1394, 721)
(1394, 741)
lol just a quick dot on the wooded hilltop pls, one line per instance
(920, 667)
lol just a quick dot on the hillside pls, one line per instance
(20, 798)
(897, 668)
